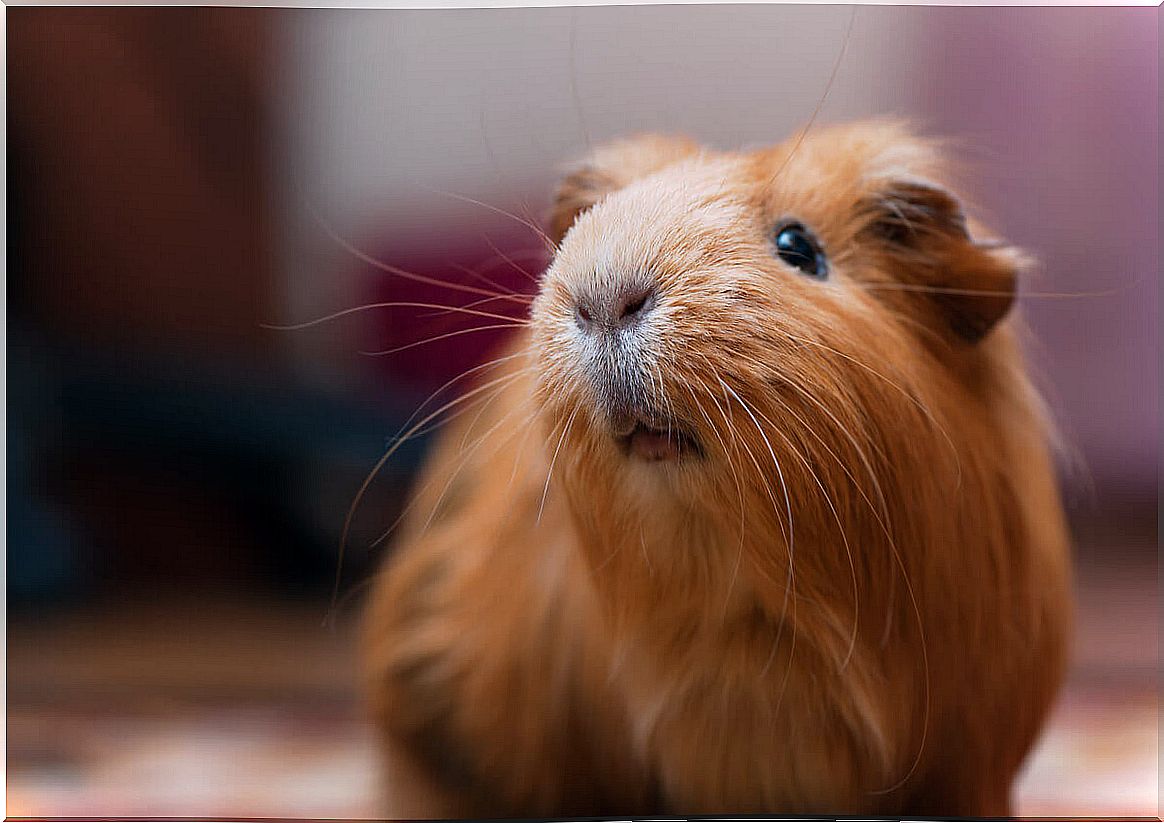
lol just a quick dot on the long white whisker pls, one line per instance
(446, 336)
(840, 528)
(551, 247)
(396, 270)
(376, 470)
(495, 362)
(553, 460)
(920, 406)
(388, 305)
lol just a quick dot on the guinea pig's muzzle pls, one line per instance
(616, 347)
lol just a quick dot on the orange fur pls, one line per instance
(855, 601)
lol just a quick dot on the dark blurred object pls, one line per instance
(139, 139)
(157, 438)
(44, 560)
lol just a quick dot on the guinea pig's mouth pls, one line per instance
(655, 444)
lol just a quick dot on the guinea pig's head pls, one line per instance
(715, 323)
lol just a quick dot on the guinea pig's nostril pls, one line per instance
(582, 317)
(615, 309)
(637, 303)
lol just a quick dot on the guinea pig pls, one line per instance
(757, 513)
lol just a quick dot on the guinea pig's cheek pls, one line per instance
(553, 359)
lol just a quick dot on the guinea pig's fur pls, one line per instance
(842, 587)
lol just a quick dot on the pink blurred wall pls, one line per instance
(1062, 109)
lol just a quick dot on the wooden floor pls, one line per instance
(199, 708)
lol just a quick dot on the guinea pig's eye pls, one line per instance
(796, 246)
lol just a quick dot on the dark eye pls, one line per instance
(798, 248)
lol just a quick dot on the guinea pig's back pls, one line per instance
(999, 612)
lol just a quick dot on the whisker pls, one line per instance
(574, 78)
(821, 100)
(840, 529)
(387, 305)
(355, 589)
(736, 479)
(790, 589)
(376, 470)
(508, 258)
(790, 584)
(926, 680)
(1019, 294)
(553, 460)
(468, 454)
(912, 597)
(497, 361)
(524, 439)
(474, 303)
(904, 575)
(550, 245)
(481, 277)
(396, 270)
(865, 462)
(441, 423)
(444, 336)
(920, 406)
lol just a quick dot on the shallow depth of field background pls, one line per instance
(178, 472)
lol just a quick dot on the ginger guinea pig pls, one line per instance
(757, 514)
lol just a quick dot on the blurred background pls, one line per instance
(180, 180)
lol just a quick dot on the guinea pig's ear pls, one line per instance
(578, 191)
(609, 168)
(923, 230)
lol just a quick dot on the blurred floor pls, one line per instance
(192, 708)
(203, 708)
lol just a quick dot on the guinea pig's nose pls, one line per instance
(615, 309)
